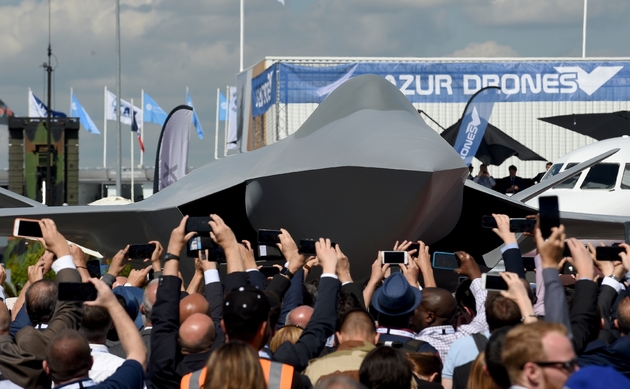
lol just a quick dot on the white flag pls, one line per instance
(125, 116)
(232, 140)
(282, 1)
(35, 108)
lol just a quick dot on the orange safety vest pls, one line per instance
(277, 375)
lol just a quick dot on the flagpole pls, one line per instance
(142, 126)
(105, 129)
(118, 110)
(242, 34)
(584, 30)
(228, 97)
(70, 100)
(133, 117)
(216, 128)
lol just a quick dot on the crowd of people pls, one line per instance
(509, 185)
(237, 329)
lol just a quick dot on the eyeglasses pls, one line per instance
(568, 366)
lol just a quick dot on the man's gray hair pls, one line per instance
(146, 302)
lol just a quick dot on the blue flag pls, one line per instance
(77, 110)
(152, 111)
(195, 119)
(474, 122)
(223, 107)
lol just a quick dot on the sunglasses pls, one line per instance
(568, 366)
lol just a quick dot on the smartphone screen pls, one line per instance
(447, 261)
(307, 247)
(141, 251)
(269, 271)
(529, 263)
(608, 253)
(522, 225)
(27, 228)
(549, 214)
(268, 237)
(394, 257)
(269, 251)
(488, 221)
(414, 246)
(493, 282)
(94, 268)
(216, 255)
(197, 243)
(568, 268)
(198, 224)
(76, 291)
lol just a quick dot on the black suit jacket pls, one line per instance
(319, 328)
(584, 318)
(513, 261)
(21, 362)
(117, 349)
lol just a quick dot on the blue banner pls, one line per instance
(437, 82)
(264, 91)
(152, 111)
(77, 110)
(474, 122)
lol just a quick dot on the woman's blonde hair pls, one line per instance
(234, 365)
(478, 378)
(288, 333)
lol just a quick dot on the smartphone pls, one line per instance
(529, 263)
(269, 271)
(549, 214)
(516, 224)
(269, 237)
(608, 253)
(414, 246)
(461, 279)
(198, 224)
(268, 251)
(448, 261)
(94, 268)
(76, 291)
(493, 282)
(216, 255)
(395, 257)
(150, 274)
(568, 268)
(307, 247)
(197, 243)
(141, 251)
(27, 228)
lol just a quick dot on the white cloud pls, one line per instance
(485, 49)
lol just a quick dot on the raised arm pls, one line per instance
(512, 257)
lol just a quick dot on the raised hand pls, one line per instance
(52, 239)
(468, 266)
(503, 230)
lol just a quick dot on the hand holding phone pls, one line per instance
(269, 237)
(493, 282)
(140, 251)
(27, 228)
(76, 291)
(609, 253)
(549, 214)
(394, 257)
(307, 247)
(198, 224)
(446, 261)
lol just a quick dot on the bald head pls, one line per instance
(148, 299)
(196, 334)
(623, 316)
(120, 281)
(191, 304)
(5, 319)
(438, 307)
(299, 316)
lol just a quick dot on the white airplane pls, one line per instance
(603, 189)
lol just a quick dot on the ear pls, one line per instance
(376, 337)
(142, 309)
(430, 317)
(46, 367)
(531, 373)
(469, 312)
(223, 328)
(91, 362)
(433, 377)
(616, 322)
(485, 370)
(339, 337)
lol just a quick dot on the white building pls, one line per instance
(281, 92)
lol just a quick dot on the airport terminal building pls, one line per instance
(278, 94)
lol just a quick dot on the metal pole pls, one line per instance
(118, 110)
(48, 116)
(216, 128)
(131, 145)
(225, 134)
(242, 34)
(584, 30)
(105, 129)
(142, 126)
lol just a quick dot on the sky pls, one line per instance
(168, 45)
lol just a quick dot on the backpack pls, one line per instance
(462, 373)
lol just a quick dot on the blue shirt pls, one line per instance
(462, 351)
(130, 375)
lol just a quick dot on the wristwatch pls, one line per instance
(614, 277)
(285, 272)
(169, 256)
